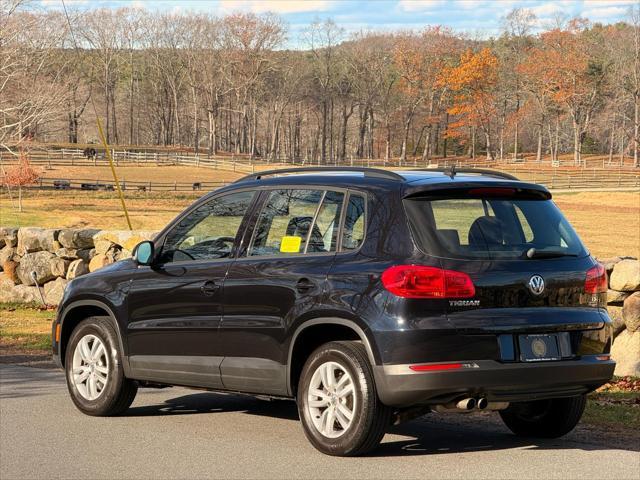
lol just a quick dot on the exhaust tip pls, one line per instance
(466, 404)
(482, 403)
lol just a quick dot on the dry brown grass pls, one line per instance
(25, 327)
(161, 174)
(607, 222)
(96, 210)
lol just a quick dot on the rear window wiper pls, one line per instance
(544, 253)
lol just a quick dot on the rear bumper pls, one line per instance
(400, 386)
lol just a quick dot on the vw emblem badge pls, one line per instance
(536, 285)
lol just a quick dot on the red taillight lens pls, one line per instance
(415, 281)
(596, 281)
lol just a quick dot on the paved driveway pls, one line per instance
(180, 433)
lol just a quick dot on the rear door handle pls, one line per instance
(305, 285)
(209, 288)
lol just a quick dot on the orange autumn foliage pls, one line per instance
(22, 173)
(473, 83)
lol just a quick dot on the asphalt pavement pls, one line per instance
(181, 433)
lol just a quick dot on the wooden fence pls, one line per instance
(565, 177)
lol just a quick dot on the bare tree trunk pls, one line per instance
(106, 104)
(196, 120)
(323, 149)
(611, 140)
(488, 145)
(370, 132)
(426, 152)
(622, 145)
(556, 140)
(131, 93)
(515, 142)
(212, 132)
(405, 138)
(473, 142)
(387, 149)
(636, 132)
(576, 143)
(539, 149)
(445, 141)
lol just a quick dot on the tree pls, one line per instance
(473, 82)
(323, 40)
(517, 26)
(20, 175)
(29, 94)
(575, 76)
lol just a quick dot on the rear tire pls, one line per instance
(544, 418)
(93, 367)
(345, 417)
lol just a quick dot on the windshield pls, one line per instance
(491, 228)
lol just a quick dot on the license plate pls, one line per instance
(539, 348)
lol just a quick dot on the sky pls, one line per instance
(477, 18)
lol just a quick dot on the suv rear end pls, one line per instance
(503, 300)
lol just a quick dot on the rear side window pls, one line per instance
(491, 227)
(297, 221)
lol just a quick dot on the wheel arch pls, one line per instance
(76, 312)
(345, 326)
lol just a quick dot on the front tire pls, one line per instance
(338, 403)
(544, 418)
(93, 367)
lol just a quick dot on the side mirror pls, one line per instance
(144, 253)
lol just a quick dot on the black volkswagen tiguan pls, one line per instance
(368, 296)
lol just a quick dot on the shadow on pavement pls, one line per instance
(209, 402)
(428, 435)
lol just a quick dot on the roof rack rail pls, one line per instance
(368, 172)
(453, 170)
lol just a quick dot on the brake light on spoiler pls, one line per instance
(417, 281)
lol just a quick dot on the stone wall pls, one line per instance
(623, 299)
(59, 255)
(55, 256)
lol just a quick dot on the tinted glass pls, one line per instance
(285, 224)
(491, 228)
(328, 220)
(354, 222)
(209, 231)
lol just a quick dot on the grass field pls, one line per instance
(608, 222)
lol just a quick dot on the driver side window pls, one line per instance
(208, 232)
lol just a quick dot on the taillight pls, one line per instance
(596, 281)
(416, 281)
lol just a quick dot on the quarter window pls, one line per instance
(354, 223)
(209, 231)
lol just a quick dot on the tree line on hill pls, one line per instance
(228, 84)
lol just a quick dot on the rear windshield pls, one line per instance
(491, 228)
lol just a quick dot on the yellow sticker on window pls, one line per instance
(290, 244)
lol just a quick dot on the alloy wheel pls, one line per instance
(331, 399)
(90, 369)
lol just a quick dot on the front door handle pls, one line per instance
(209, 288)
(304, 285)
